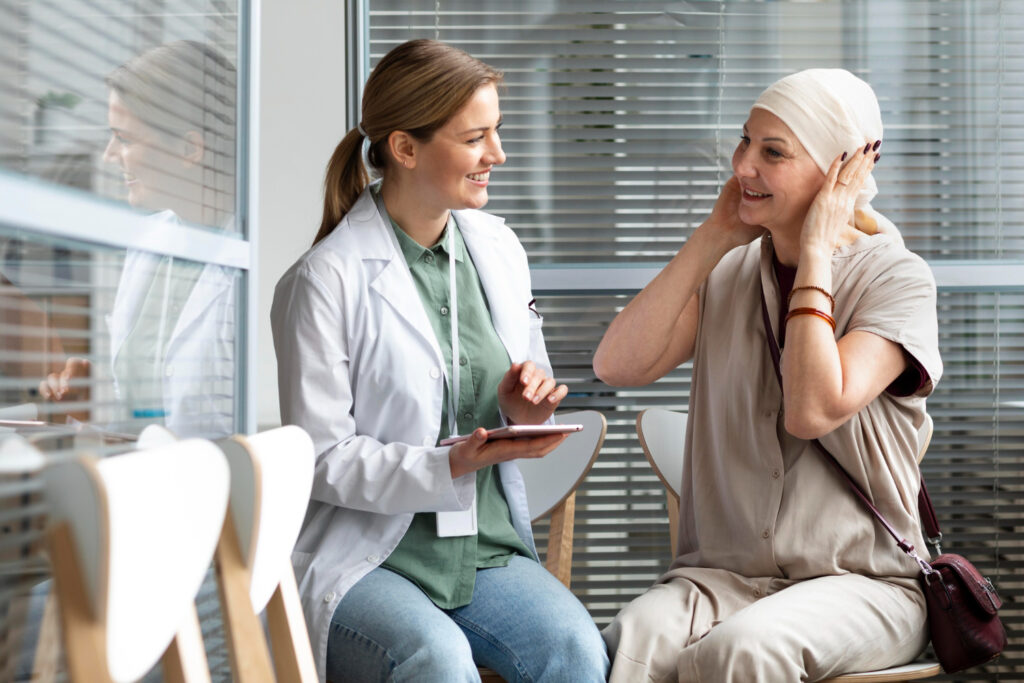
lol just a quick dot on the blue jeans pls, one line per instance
(522, 623)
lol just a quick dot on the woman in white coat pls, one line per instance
(416, 561)
(172, 323)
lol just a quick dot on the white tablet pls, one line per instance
(517, 432)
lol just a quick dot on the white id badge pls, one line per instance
(461, 523)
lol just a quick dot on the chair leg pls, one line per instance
(672, 503)
(46, 662)
(289, 639)
(247, 645)
(559, 561)
(185, 658)
(85, 644)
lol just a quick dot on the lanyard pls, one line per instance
(453, 311)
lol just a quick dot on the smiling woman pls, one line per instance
(792, 240)
(410, 321)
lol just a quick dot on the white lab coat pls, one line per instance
(360, 369)
(199, 368)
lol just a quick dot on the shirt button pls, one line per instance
(775, 474)
(467, 416)
(169, 371)
(463, 361)
(434, 373)
(757, 592)
(768, 414)
(429, 258)
(373, 558)
(766, 533)
(444, 310)
(329, 597)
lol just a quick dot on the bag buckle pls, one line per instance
(934, 541)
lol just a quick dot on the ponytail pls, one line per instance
(346, 178)
(416, 87)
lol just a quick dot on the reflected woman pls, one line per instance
(172, 325)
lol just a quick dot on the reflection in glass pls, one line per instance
(171, 116)
(74, 69)
(115, 340)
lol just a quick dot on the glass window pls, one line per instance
(123, 259)
(133, 106)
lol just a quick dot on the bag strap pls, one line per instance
(902, 543)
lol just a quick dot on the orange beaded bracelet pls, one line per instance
(831, 299)
(812, 311)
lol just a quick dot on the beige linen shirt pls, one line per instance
(759, 502)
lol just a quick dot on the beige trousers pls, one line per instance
(714, 626)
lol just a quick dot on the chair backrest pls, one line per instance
(154, 435)
(924, 436)
(551, 484)
(131, 539)
(271, 481)
(662, 433)
(551, 479)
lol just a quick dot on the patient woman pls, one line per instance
(782, 575)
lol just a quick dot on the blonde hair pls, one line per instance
(182, 87)
(417, 87)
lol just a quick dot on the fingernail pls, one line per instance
(536, 400)
(877, 157)
(878, 143)
(843, 158)
(528, 396)
(867, 148)
(551, 398)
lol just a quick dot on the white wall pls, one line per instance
(301, 120)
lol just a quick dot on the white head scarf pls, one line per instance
(831, 111)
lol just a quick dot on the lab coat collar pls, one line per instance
(481, 233)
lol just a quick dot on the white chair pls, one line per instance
(662, 433)
(130, 540)
(271, 481)
(551, 484)
(154, 435)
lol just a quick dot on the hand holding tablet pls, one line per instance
(517, 432)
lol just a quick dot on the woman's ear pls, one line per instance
(195, 148)
(403, 148)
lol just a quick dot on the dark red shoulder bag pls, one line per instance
(963, 606)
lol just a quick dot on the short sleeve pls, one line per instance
(900, 305)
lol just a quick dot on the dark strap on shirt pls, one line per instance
(927, 511)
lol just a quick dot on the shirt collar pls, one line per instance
(414, 252)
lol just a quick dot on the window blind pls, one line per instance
(620, 118)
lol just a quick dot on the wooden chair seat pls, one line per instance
(896, 674)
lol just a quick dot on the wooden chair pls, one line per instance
(551, 484)
(271, 480)
(130, 540)
(662, 433)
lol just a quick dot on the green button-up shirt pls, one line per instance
(445, 567)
